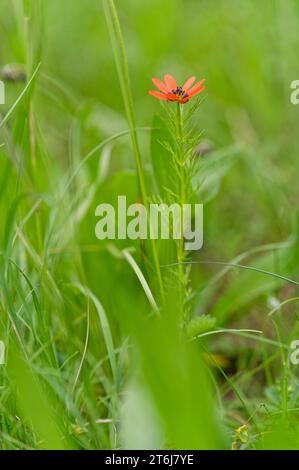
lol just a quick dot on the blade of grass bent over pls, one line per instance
(13, 107)
(142, 279)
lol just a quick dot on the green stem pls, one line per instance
(181, 250)
(124, 78)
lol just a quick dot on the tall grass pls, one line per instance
(120, 345)
(124, 79)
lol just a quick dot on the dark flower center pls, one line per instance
(180, 92)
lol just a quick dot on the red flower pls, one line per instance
(170, 91)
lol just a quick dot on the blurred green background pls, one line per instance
(101, 371)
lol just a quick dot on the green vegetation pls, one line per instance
(128, 344)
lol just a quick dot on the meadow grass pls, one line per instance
(122, 344)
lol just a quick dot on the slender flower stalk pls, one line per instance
(181, 156)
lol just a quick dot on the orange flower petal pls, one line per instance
(172, 97)
(189, 83)
(195, 88)
(159, 84)
(185, 100)
(159, 95)
(170, 82)
(196, 91)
